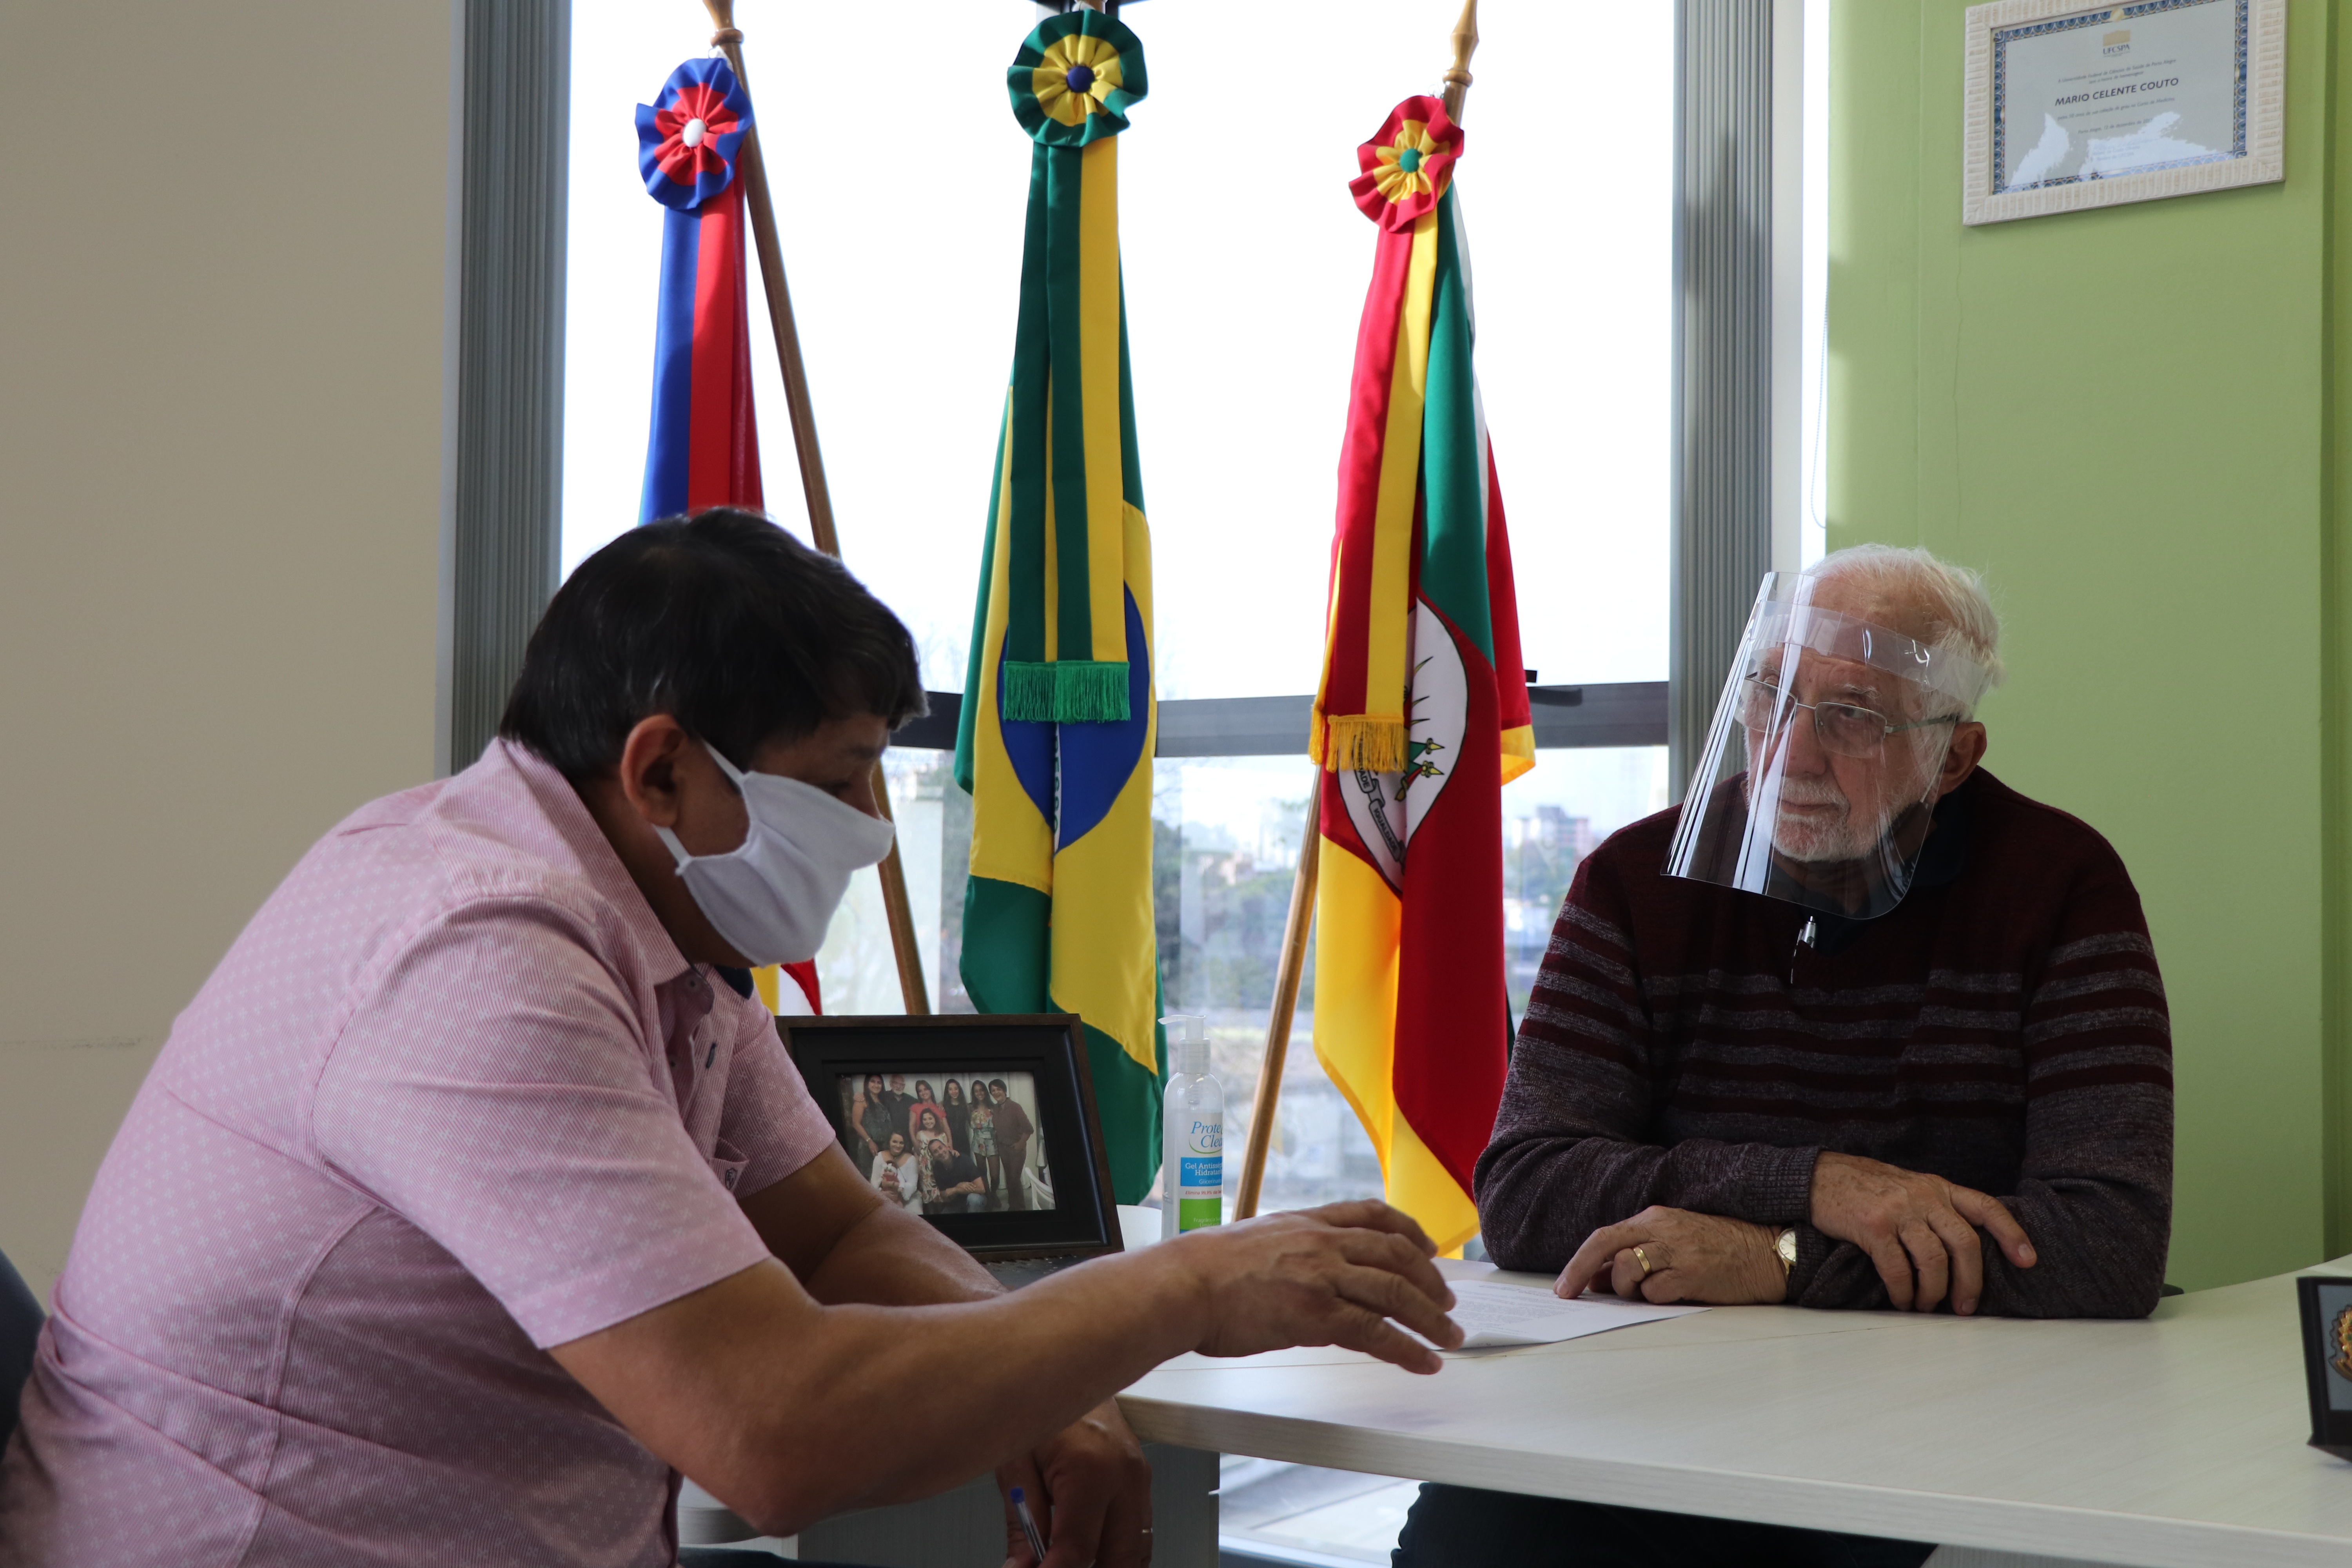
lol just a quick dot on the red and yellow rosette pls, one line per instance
(1360, 707)
(1406, 167)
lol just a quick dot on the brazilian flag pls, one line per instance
(1059, 721)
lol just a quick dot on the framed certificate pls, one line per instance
(2072, 105)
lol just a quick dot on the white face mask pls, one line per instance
(772, 897)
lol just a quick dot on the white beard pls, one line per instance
(1812, 837)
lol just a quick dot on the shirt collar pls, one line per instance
(563, 809)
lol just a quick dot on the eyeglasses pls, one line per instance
(1843, 728)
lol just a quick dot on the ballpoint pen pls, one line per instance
(1028, 1524)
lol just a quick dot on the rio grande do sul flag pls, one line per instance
(1422, 716)
(704, 448)
(1059, 722)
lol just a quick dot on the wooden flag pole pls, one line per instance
(729, 40)
(1466, 44)
(1294, 931)
(1268, 1104)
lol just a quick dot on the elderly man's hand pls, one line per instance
(1915, 1228)
(1690, 1258)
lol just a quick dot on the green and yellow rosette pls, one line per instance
(1075, 78)
(1068, 477)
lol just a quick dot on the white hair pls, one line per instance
(1945, 607)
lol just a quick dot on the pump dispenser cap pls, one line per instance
(1188, 1043)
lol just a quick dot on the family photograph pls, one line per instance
(942, 1144)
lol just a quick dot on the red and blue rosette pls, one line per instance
(687, 138)
(1407, 165)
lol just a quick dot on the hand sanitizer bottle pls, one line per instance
(1192, 1132)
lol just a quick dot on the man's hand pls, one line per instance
(1329, 1276)
(1914, 1225)
(1691, 1257)
(1090, 1492)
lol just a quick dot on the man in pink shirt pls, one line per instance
(473, 1199)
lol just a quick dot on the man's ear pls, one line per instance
(648, 771)
(1968, 749)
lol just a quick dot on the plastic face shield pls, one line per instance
(1817, 784)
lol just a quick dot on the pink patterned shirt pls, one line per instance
(452, 1098)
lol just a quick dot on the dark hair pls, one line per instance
(954, 1088)
(725, 622)
(998, 1083)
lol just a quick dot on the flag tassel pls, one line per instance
(1090, 691)
(1029, 691)
(1356, 741)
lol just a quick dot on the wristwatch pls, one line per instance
(1786, 1246)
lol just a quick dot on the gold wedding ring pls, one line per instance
(1644, 1259)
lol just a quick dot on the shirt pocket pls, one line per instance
(729, 1163)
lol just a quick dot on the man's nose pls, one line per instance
(1804, 744)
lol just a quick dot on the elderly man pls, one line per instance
(1856, 1027)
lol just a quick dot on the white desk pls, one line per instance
(2178, 1442)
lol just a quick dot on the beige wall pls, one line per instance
(222, 320)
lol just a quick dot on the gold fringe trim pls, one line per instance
(1354, 741)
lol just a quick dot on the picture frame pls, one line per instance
(1061, 1163)
(2326, 1306)
(2070, 106)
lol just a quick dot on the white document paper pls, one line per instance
(1493, 1315)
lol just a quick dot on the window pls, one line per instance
(1246, 265)
(1816, 277)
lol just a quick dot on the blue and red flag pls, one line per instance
(704, 450)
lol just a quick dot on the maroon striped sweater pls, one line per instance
(2003, 1027)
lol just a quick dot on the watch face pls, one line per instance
(1787, 1247)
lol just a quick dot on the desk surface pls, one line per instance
(2177, 1442)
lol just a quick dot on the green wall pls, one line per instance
(2128, 418)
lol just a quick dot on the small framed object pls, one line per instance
(984, 1125)
(2327, 1359)
(2072, 106)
